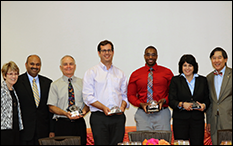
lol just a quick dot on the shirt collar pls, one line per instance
(103, 66)
(194, 75)
(31, 78)
(148, 68)
(65, 78)
(223, 70)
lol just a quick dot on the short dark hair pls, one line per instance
(103, 43)
(189, 59)
(224, 53)
(151, 47)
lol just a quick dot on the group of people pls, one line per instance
(25, 118)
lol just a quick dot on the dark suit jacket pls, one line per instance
(33, 118)
(179, 91)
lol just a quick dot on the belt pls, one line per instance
(64, 119)
(161, 108)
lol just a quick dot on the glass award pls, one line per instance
(195, 105)
(153, 106)
(114, 110)
(74, 110)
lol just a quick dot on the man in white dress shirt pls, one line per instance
(104, 87)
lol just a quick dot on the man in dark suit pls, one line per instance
(36, 118)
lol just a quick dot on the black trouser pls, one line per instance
(189, 129)
(66, 127)
(107, 130)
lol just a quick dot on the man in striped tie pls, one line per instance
(150, 82)
(32, 90)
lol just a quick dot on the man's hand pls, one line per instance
(161, 102)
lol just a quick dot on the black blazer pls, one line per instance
(34, 118)
(179, 91)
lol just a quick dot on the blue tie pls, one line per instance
(150, 86)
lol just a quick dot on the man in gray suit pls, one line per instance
(219, 114)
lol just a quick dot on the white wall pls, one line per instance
(54, 29)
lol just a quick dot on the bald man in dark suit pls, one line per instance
(36, 119)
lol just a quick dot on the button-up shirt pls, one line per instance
(59, 95)
(108, 86)
(218, 82)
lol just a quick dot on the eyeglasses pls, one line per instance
(104, 51)
(11, 74)
(148, 54)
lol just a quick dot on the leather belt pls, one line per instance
(161, 108)
(64, 119)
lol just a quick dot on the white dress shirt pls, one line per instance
(109, 87)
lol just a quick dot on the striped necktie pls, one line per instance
(150, 86)
(35, 93)
(71, 93)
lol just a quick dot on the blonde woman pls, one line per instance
(11, 119)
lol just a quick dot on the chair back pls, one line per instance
(60, 140)
(224, 135)
(142, 135)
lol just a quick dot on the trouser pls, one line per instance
(107, 130)
(66, 127)
(189, 129)
(154, 121)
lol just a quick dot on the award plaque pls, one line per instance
(114, 110)
(74, 110)
(195, 105)
(153, 106)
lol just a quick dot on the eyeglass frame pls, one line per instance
(104, 51)
(11, 74)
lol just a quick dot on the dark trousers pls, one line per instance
(107, 130)
(10, 137)
(189, 129)
(66, 127)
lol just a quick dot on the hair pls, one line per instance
(224, 53)
(103, 43)
(65, 57)
(151, 47)
(32, 55)
(9, 66)
(189, 59)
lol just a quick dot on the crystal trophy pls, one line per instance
(114, 110)
(153, 106)
(74, 110)
(195, 105)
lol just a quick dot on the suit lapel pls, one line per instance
(224, 82)
(41, 88)
(212, 87)
(27, 85)
(185, 85)
(197, 82)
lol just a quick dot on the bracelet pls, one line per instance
(182, 105)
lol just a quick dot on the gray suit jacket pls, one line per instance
(224, 104)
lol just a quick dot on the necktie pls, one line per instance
(150, 86)
(35, 93)
(71, 93)
(217, 73)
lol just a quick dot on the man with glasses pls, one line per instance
(139, 93)
(105, 87)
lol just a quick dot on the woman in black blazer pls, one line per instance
(187, 90)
